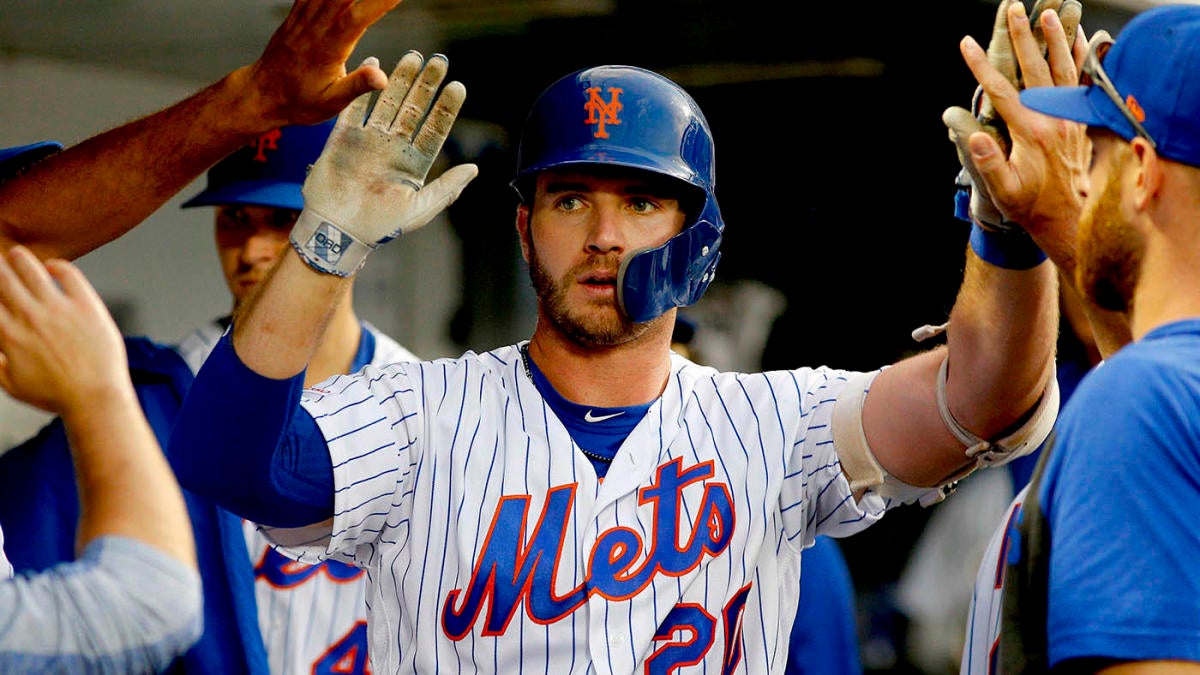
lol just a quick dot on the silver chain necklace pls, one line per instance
(524, 349)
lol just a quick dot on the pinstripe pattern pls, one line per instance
(983, 623)
(426, 455)
(6, 568)
(312, 614)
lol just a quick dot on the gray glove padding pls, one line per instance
(982, 116)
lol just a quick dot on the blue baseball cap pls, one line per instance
(1154, 64)
(268, 172)
(13, 159)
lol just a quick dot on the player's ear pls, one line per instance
(523, 229)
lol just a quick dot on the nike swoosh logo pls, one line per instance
(589, 417)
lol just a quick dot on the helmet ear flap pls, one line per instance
(675, 274)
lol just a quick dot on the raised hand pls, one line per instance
(59, 348)
(1036, 181)
(368, 185)
(301, 76)
(1007, 63)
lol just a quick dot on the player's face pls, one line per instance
(581, 225)
(1109, 246)
(250, 240)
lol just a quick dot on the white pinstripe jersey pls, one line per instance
(6, 568)
(491, 546)
(983, 624)
(313, 618)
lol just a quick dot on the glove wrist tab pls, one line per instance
(327, 248)
(1010, 250)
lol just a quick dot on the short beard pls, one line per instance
(1110, 251)
(584, 330)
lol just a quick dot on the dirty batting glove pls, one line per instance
(973, 202)
(368, 186)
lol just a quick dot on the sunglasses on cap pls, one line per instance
(1092, 73)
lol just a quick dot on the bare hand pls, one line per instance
(301, 76)
(1035, 184)
(59, 348)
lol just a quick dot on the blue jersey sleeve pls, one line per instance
(243, 441)
(1120, 496)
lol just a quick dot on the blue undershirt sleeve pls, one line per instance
(243, 441)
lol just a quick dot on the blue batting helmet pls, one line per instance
(267, 172)
(631, 117)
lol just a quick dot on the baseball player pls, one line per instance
(309, 618)
(585, 501)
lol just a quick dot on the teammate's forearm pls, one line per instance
(109, 183)
(122, 607)
(123, 477)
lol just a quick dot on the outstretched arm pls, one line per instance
(60, 351)
(367, 187)
(928, 416)
(1000, 356)
(1036, 183)
(91, 193)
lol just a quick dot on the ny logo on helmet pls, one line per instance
(268, 141)
(601, 113)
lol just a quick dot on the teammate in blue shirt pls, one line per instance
(1095, 570)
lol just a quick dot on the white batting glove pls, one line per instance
(368, 185)
(961, 122)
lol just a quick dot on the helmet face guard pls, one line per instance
(629, 117)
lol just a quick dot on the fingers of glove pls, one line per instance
(420, 97)
(999, 50)
(991, 166)
(1000, 92)
(353, 116)
(1058, 52)
(1039, 8)
(1030, 51)
(1069, 15)
(1100, 36)
(393, 95)
(437, 195)
(961, 124)
(437, 125)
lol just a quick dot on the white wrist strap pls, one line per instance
(326, 247)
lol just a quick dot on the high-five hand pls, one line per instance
(368, 185)
(1005, 61)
